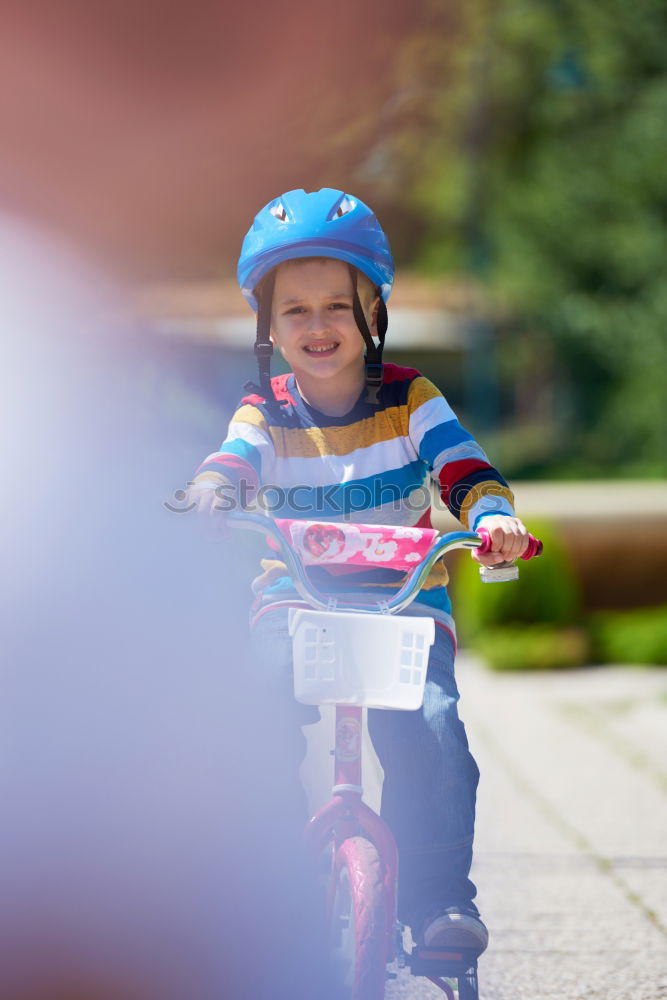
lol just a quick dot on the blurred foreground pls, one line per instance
(146, 838)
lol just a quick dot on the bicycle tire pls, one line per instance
(359, 921)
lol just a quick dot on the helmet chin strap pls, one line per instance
(263, 345)
(373, 361)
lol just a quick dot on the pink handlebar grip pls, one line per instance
(534, 545)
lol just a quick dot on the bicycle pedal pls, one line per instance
(439, 955)
(448, 962)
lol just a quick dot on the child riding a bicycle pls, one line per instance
(345, 437)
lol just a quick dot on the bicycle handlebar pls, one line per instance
(410, 587)
(534, 545)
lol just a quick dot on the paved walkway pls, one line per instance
(571, 850)
(572, 831)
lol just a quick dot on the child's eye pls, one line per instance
(339, 305)
(294, 310)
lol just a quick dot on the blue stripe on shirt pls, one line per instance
(442, 437)
(243, 450)
(394, 485)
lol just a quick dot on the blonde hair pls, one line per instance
(364, 284)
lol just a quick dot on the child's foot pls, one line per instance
(454, 927)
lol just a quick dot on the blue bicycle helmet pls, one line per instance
(325, 223)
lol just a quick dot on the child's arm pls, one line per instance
(229, 478)
(473, 490)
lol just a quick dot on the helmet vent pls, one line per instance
(279, 212)
(346, 205)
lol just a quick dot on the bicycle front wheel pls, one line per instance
(359, 920)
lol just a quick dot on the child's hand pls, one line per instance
(509, 539)
(205, 500)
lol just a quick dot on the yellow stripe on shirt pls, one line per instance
(488, 488)
(313, 442)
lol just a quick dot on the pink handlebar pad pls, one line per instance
(361, 545)
(534, 545)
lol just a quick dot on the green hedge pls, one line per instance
(546, 593)
(638, 636)
(536, 623)
(533, 647)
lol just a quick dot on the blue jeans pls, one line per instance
(430, 784)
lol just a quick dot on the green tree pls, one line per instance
(529, 141)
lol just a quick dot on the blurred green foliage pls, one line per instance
(526, 144)
(546, 593)
(638, 636)
(528, 624)
(538, 622)
(534, 647)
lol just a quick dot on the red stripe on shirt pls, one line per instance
(456, 472)
(231, 464)
(395, 373)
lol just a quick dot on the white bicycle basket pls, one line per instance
(348, 658)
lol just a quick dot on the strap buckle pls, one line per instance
(374, 380)
(374, 372)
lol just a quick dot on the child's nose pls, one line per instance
(319, 320)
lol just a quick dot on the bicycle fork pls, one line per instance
(346, 815)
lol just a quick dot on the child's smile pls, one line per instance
(321, 348)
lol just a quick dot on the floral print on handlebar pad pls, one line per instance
(323, 543)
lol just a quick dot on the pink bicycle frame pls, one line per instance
(345, 814)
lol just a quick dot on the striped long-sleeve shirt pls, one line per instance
(376, 464)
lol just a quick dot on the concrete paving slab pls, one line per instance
(537, 727)
(636, 726)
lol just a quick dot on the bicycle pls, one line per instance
(345, 655)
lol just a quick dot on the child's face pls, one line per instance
(312, 321)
